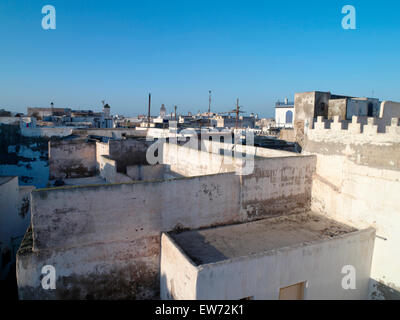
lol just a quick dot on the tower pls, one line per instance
(163, 111)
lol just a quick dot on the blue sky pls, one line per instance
(259, 51)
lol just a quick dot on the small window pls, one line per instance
(370, 110)
(293, 292)
(289, 116)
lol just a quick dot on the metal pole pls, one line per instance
(148, 114)
(237, 112)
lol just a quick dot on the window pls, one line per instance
(293, 292)
(289, 116)
(370, 110)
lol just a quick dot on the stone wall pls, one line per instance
(105, 240)
(46, 132)
(72, 159)
(261, 275)
(389, 110)
(128, 152)
(357, 181)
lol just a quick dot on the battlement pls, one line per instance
(358, 125)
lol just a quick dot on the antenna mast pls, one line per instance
(237, 113)
(148, 114)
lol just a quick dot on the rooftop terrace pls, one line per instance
(222, 243)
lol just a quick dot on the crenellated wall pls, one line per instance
(357, 181)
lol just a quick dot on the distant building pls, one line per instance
(106, 110)
(284, 114)
(41, 113)
(230, 121)
(163, 111)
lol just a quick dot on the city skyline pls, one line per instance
(179, 50)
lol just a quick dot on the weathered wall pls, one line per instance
(74, 225)
(192, 162)
(304, 104)
(108, 171)
(143, 172)
(357, 182)
(72, 159)
(46, 132)
(102, 149)
(337, 107)
(128, 152)
(389, 110)
(74, 221)
(216, 147)
(277, 186)
(357, 107)
(113, 270)
(318, 263)
(14, 218)
(116, 133)
(178, 274)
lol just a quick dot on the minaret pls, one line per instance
(163, 111)
(106, 110)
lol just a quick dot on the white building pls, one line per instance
(284, 114)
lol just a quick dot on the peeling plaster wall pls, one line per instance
(128, 152)
(73, 226)
(389, 110)
(14, 217)
(143, 172)
(192, 162)
(116, 133)
(357, 181)
(337, 107)
(72, 159)
(277, 186)
(178, 274)
(46, 132)
(318, 263)
(108, 171)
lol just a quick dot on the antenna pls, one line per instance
(148, 114)
(175, 112)
(237, 113)
(209, 102)
(209, 108)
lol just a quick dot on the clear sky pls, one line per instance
(259, 51)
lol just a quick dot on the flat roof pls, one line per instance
(226, 242)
